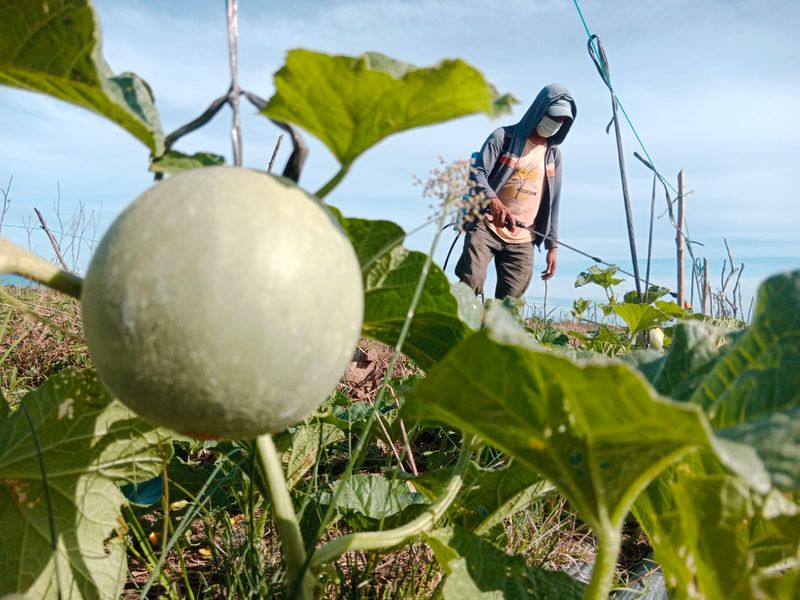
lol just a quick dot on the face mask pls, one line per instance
(547, 127)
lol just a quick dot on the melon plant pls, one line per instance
(223, 303)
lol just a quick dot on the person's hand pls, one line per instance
(551, 264)
(501, 216)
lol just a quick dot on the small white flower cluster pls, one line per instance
(452, 186)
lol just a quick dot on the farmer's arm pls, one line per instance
(483, 164)
(551, 242)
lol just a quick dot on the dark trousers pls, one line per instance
(513, 262)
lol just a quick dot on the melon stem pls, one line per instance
(17, 260)
(294, 552)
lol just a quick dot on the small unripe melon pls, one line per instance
(657, 338)
(223, 303)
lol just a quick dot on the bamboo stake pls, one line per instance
(235, 91)
(680, 238)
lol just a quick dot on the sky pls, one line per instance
(711, 87)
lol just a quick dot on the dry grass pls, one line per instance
(42, 335)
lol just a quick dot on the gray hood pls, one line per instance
(548, 95)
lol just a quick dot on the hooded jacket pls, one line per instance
(496, 161)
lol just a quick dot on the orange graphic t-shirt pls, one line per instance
(522, 194)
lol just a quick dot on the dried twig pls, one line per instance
(52, 239)
(274, 154)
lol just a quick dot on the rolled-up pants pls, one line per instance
(513, 262)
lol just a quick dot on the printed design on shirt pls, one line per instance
(524, 183)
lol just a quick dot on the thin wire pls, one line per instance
(72, 235)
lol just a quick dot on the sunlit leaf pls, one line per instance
(476, 570)
(352, 103)
(654, 293)
(89, 442)
(53, 47)
(640, 317)
(603, 277)
(672, 309)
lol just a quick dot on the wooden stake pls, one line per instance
(706, 286)
(680, 238)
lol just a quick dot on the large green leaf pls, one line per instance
(595, 429)
(299, 450)
(53, 47)
(88, 442)
(372, 501)
(391, 273)
(640, 317)
(776, 439)
(476, 570)
(695, 349)
(352, 103)
(760, 374)
(753, 391)
(712, 536)
(487, 496)
(653, 294)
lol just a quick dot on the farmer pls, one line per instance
(517, 174)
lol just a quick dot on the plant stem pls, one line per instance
(354, 454)
(375, 540)
(608, 544)
(19, 261)
(335, 180)
(294, 552)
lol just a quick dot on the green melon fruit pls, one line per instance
(223, 303)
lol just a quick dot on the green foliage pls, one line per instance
(695, 349)
(760, 374)
(390, 275)
(370, 502)
(654, 293)
(640, 317)
(579, 307)
(173, 161)
(477, 570)
(54, 48)
(352, 103)
(487, 497)
(300, 449)
(88, 443)
(603, 277)
(713, 536)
